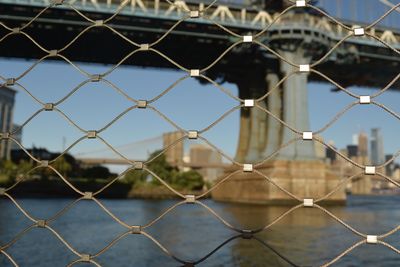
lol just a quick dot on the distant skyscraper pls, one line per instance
(330, 153)
(391, 166)
(377, 151)
(7, 100)
(352, 151)
(363, 144)
(355, 139)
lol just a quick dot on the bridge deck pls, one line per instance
(350, 64)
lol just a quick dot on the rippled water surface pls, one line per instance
(307, 237)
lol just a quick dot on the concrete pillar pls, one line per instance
(362, 186)
(261, 134)
(244, 133)
(295, 110)
(253, 121)
(258, 134)
(253, 134)
(274, 128)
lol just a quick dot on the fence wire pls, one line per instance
(81, 256)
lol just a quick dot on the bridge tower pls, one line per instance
(296, 166)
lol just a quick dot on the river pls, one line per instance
(307, 237)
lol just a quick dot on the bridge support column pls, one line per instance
(296, 167)
(295, 110)
(261, 134)
(362, 186)
(274, 128)
(253, 121)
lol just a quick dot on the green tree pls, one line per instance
(96, 172)
(9, 168)
(162, 168)
(191, 180)
(62, 165)
(159, 166)
(135, 177)
(24, 167)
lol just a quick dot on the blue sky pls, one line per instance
(190, 105)
(362, 10)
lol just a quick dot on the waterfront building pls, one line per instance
(7, 100)
(363, 144)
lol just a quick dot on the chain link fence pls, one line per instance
(81, 256)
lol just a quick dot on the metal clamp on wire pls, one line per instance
(91, 134)
(16, 30)
(190, 199)
(10, 82)
(193, 134)
(57, 2)
(194, 14)
(44, 163)
(247, 234)
(53, 53)
(4, 135)
(136, 229)
(41, 223)
(99, 22)
(308, 202)
(144, 47)
(142, 104)
(372, 239)
(248, 167)
(48, 106)
(87, 195)
(138, 165)
(95, 77)
(85, 258)
(370, 170)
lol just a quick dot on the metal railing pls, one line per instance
(81, 256)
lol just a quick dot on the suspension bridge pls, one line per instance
(105, 156)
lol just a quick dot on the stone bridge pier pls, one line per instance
(296, 167)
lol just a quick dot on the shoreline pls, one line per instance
(118, 190)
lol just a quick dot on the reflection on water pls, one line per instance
(308, 237)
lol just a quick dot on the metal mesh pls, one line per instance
(81, 256)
